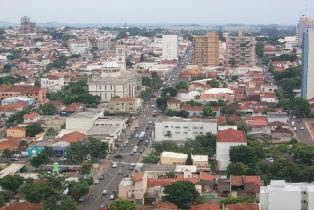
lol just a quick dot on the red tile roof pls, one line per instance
(137, 176)
(231, 135)
(22, 206)
(166, 205)
(243, 206)
(153, 182)
(72, 137)
(9, 143)
(206, 206)
(236, 180)
(206, 176)
(257, 121)
(221, 120)
(30, 116)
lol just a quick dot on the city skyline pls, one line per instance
(211, 12)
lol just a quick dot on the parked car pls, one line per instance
(96, 181)
(114, 165)
(105, 192)
(302, 128)
(118, 156)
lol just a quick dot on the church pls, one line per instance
(115, 80)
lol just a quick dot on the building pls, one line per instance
(169, 47)
(304, 24)
(52, 82)
(240, 50)
(289, 196)
(225, 140)
(115, 82)
(179, 129)
(16, 132)
(80, 46)
(307, 87)
(206, 49)
(82, 121)
(27, 27)
(36, 93)
(123, 105)
(173, 158)
(31, 117)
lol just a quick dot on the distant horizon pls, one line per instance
(218, 12)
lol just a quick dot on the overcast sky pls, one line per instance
(156, 11)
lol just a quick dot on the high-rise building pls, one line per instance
(304, 23)
(27, 27)
(170, 47)
(206, 49)
(307, 89)
(240, 50)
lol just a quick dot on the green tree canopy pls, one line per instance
(11, 182)
(182, 85)
(40, 159)
(122, 205)
(181, 193)
(48, 109)
(33, 129)
(237, 168)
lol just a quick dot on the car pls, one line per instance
(101, 177)
(96, 181)
(301, 128)
(14, 159)
(114, 165)
(131, 153)
(136, 126)
(295, 128)
(113, 195)
(120, 172)
(118, 156)
(105, 192)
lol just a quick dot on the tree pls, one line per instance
(208, 112)
(182, 85)
(36, 191)
(11, 182)
(161, 103)
(67, 204)
(2, 200)
(40, 159)
(7, 153)
(169, 91)
(242, 153)
(189, 160)
(78, 189)
(122, 205)
(237, 168)
(86, 168)
(181, 193)
(78, 151)
(48, 109)
(50, 203)
(33, 129)
(146, 94)
(213, 83)
(151, 158)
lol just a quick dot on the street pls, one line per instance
(113, 176)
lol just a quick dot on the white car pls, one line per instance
(302, 128)
(96, 181)
(105, 192)
(114, 165)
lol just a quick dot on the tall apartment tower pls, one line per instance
(206, 49)
(170, 47)
(240, 50)
(27, 27)
(307, 89)
(304, 24)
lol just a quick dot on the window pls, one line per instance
(195, 127)
(177, 127)
(177, 132)
(185, 133)
(185, 127)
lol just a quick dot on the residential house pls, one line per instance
(31, 117)
(278, 116)
(174, 104)
(245, 185)
(258, 125)
(193, 110)
(269, 97)
(16, 132)
(281, 134)
(225, 140)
